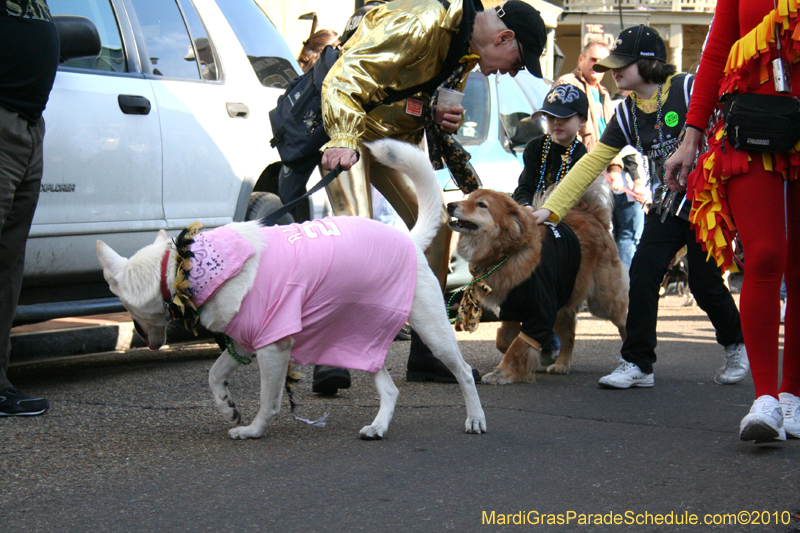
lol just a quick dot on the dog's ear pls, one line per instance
(161, 237)
(113, 263)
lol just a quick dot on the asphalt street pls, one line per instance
(133, 442)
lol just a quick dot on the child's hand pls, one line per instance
(617, 181)
(639, 191)
(542, 215)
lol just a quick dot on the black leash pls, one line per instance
(273, 217)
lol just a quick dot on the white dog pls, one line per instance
(343, 306)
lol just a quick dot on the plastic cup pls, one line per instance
(447, 99)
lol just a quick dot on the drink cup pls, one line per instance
(448, 99)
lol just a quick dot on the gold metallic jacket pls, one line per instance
(397, 46)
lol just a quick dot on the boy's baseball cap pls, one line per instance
(633, 44)
(564, 101)
(529, 30)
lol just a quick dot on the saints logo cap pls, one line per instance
(529, 30)
(633, 44)
(564, 101)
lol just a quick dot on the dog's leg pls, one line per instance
(609, 299)
(273, 361)
(218, 376)
(506, 334)
(429, 319)
(565, 329)
(387, 391)
(516, 367)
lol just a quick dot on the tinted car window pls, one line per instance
(112, 56)
(271, 59)
(168, 47)
(203, 50)
(516, 109)
(477, 108)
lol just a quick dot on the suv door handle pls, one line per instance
(133, 105)
(237, 110)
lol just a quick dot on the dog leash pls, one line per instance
(273, 217)
(292, 378)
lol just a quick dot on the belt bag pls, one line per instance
(762, 122)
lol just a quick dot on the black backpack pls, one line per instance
(297, 128)
(297, 121)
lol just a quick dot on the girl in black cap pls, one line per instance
(651, 120)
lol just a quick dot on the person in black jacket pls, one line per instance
(548, 158)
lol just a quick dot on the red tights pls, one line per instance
(772, 250)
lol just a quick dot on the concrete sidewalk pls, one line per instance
(139, 446)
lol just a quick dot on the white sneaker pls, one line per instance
(765, 421)
(627, 375)
(791, 414)
(735, 367)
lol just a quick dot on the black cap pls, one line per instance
(633, 44)
(564, 101)
(529, 30)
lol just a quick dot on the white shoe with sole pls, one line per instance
(765, 421)
(735, 367)
(627, 375)
(791, 414)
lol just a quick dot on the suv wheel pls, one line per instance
(263, 204)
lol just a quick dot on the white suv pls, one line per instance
(167, 126)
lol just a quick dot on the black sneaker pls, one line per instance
(423, 366)
(14, 402)
(404, 334)
(329, 379)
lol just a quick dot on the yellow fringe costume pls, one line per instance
(748, 67)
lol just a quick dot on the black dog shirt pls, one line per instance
(535, 302)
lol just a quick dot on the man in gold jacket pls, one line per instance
(398, 46)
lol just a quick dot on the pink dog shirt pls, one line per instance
(341, 287)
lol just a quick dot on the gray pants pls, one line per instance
(20, 178)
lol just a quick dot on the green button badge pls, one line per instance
(671, 119)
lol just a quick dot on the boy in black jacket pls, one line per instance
(548, 158)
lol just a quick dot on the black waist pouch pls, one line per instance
(761, 122)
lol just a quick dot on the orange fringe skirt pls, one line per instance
(748, 67)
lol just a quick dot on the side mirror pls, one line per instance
(78, 37)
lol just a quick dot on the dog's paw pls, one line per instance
(372, 433)
(558, 369)
(245, 432)
(230, 413)
(495, 378)
(476, 426)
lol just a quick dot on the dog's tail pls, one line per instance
(414, 163)
(598, 200)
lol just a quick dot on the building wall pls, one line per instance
(331, 14)
(694, 36)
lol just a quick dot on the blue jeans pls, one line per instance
(628, 225)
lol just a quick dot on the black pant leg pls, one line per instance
(660, 242)
(708, 288)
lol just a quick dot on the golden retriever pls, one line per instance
(493, 227)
